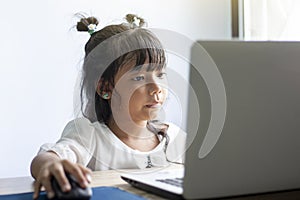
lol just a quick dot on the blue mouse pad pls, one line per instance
(98, 193)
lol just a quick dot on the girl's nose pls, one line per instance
(154, 88)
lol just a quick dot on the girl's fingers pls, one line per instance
(46, 182)
(37, 187)
(85, 169)
(58, 172)
(77, 171)
(43, 180)
(63, 181)
(87, 172)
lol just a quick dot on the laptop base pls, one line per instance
(154, 190)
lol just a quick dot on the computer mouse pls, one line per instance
(76, 192)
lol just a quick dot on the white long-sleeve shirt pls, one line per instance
(95, 146)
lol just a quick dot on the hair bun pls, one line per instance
(135, 21)
(87, 24)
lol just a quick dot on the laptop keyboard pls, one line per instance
(172, 181)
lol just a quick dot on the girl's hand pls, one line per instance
(57, 169)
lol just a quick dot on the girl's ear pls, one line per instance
(104, 89)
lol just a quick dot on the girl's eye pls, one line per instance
(161, 75)
(138, 78)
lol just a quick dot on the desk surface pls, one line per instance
(99, 178)
(112, 178)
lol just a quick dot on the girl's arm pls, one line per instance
(47, 164)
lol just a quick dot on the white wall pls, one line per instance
(41, 56)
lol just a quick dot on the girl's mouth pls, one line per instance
(154, 105)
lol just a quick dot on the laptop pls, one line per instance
(246, 137)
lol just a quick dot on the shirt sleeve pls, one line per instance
(77, 142)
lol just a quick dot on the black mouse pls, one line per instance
(76, 192)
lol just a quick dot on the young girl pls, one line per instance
(122, 91)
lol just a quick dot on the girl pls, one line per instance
(122, 90)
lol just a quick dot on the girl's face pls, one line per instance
(138, 94)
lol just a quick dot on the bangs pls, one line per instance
(145, 48)
(153, 58)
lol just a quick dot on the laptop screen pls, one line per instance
(247, 138)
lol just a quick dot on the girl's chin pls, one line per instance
(152, 115)
(147, 117)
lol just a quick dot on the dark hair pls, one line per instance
(106, 52)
